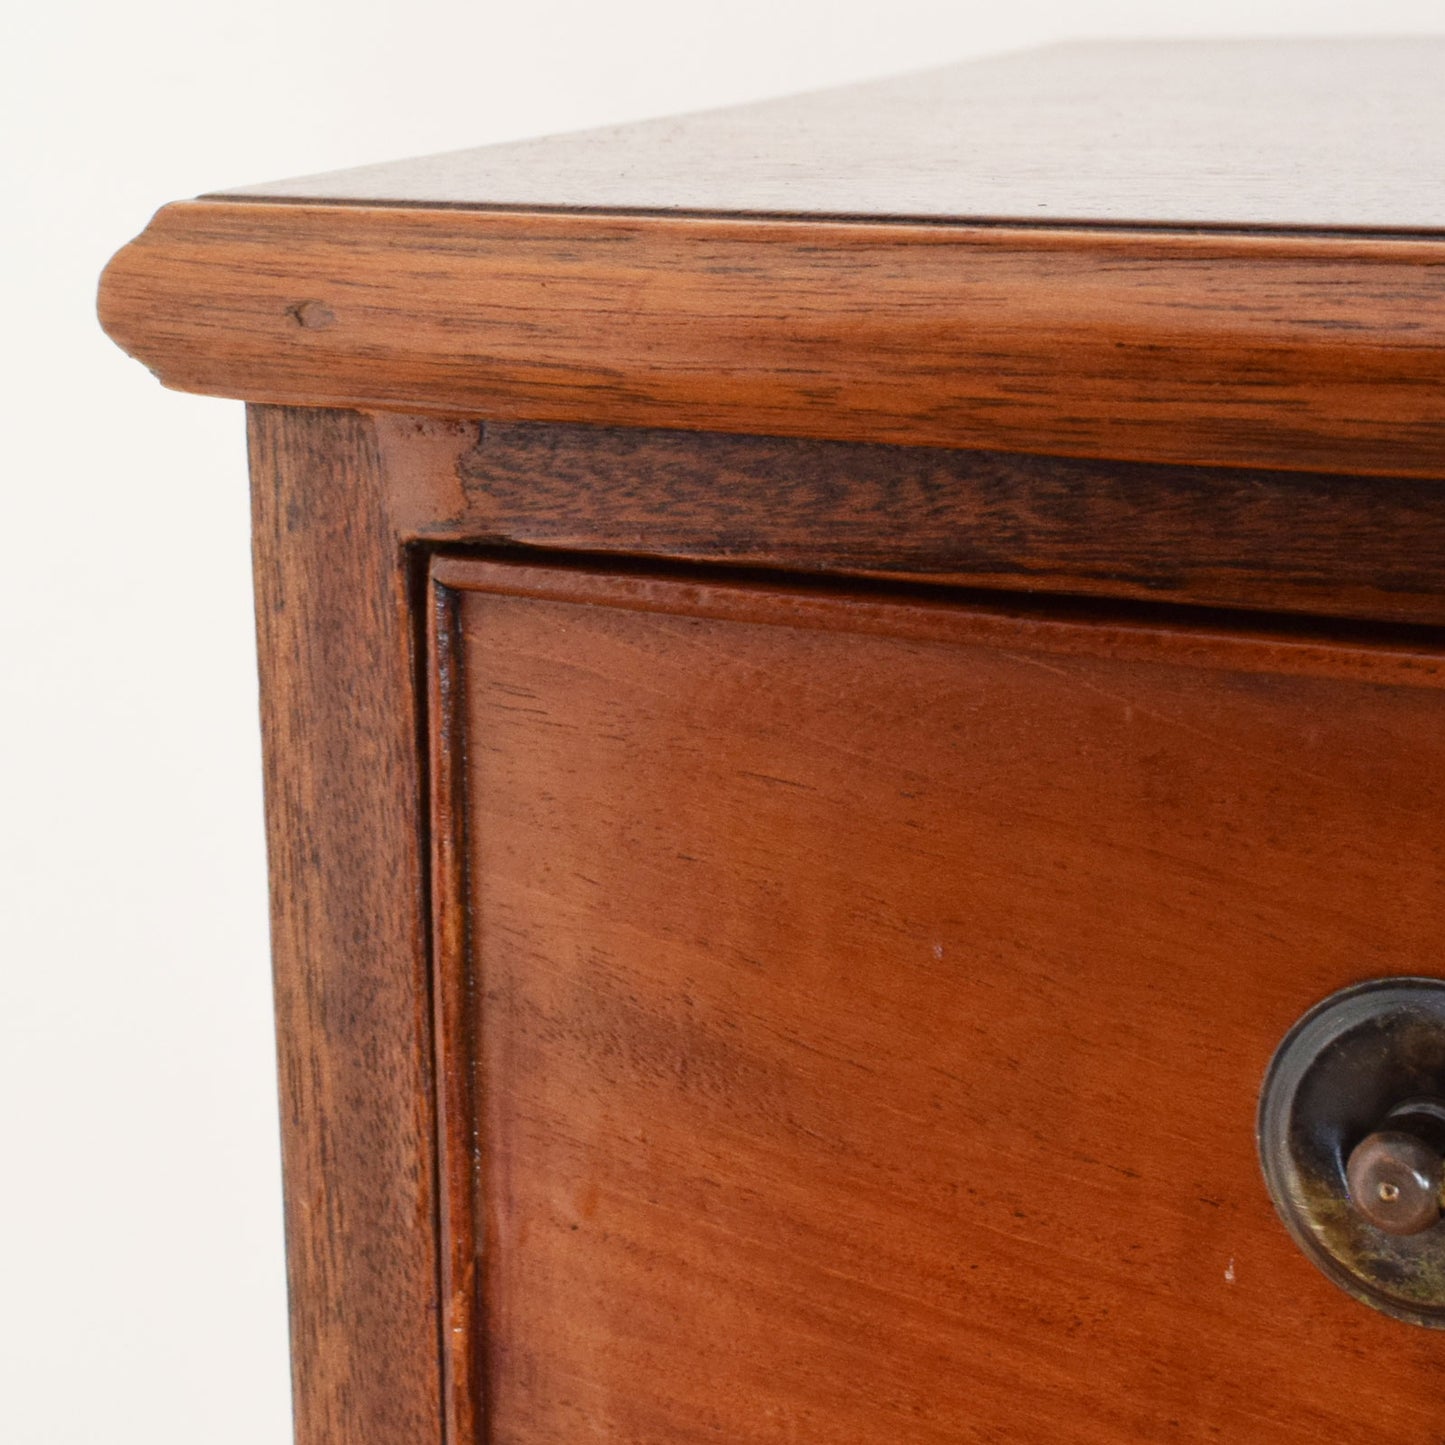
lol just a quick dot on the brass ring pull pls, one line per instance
(1351, 1138)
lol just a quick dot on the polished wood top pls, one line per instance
(1219, 253)
(1332, 134)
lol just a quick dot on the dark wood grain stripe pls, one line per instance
(1306, 542)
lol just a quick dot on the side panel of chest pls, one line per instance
(853, 1013)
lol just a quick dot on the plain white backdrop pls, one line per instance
(142, 1292)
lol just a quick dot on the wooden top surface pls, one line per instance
(1319, 134)
(1224, 254)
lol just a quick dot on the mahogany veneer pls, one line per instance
(835, 676)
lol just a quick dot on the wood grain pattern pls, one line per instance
(1346, 132)
(870, 1001)
(1365, 547)
(748, 1011)
(345, 828)
(1296, 352)
(465, 1394)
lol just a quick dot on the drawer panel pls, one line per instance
(854, 1010)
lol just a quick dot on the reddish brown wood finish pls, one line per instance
(452, 930)
(345, 827)
(1296, 352)
(869, 1001)
(1366, 547)
(738, 1011)
(342, 498)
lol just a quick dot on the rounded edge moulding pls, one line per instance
(437, 287)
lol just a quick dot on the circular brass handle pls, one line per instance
(1351, 1137)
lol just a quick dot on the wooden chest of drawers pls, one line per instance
(835, 679)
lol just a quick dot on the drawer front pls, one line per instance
(853, 1013)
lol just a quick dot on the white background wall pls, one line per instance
(141, 1281)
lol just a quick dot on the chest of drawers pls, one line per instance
(836, 676)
